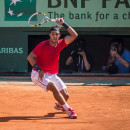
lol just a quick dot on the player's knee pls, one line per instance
(51, 86)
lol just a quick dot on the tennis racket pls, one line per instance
(38, 19)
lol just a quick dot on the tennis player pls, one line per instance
(44, 59)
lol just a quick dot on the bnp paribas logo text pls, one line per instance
(19, 10)
(11, 50)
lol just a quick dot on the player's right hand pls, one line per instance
(60, 21)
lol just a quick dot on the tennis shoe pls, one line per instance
(71, 114)
(57, 107)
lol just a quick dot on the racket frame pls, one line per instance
(47, 19)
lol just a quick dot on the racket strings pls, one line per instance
(37, 19)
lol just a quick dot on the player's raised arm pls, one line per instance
(73, 34)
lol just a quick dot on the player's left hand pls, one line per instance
(60, 21)
(41, 74)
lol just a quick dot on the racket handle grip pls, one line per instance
(53, 20)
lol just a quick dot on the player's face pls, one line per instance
(54, 36)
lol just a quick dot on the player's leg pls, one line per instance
(46, 84)
(62, 88)
(57, 95)
(65, 94)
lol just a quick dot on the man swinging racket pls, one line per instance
(45, 61)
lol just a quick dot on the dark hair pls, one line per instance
(55, 28)
(80, 45)
(118, 40)
(80, 42)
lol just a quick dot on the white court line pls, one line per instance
(31, 83)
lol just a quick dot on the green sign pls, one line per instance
(77, 13)
(19, 10)
(92, 13)
(13, 52)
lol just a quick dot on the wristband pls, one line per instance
(65, 25)
(37, 68)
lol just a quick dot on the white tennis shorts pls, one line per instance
(48, 78)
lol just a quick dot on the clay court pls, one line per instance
(24, 106)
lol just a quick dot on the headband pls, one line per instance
(55, 29)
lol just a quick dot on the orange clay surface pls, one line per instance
(28, 107)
